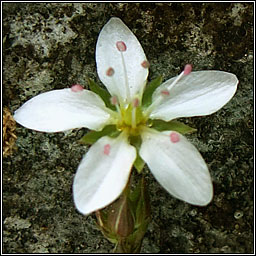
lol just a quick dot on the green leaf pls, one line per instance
(92, 136)
(177, 126)
(104, 94)
(150, 88)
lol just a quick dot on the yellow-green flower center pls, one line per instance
(131, 119)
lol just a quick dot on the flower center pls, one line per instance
(130, 116)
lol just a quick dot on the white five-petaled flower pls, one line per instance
(123, 68)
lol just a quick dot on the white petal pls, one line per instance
(199, 93)
(177, 166)
(61, 110)
(103, 173)
(128, 71)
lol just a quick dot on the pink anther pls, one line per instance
(106, 149)
(174, 137)
(114, 100)
(136, 103)
(110, 72)
(187, 69)
(121, 46)
(76, 88)
(145, 64)
(165, 92)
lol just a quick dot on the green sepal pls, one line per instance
(101, 217)
(173, 125)
(138, 163)
(132, 244)
(134, 204)
(141, 207)
(92, 136)
(150, 88)
(104, 94)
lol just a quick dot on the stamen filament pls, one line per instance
(126, 79)
(135, 104)
(134, 118)
(187, 70)
(118, 110)
(114, 101)
(175, 81)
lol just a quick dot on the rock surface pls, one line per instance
(51, 46)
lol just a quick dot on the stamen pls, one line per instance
(121, 46)
(106, 149)
(165, 92)
(174, 137)
(145, 64)
(126, 80)
(114, 101)
(76, 88)
(110, 72)
(134, 118)
(135, 104)
(187, 69)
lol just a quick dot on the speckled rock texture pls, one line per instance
(50, 46)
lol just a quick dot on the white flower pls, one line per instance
(123, 68)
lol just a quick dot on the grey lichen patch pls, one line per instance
(51, 46)
(41, 81)
(16, 223)
(237, 13)
(44, 34)
(231, 24)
